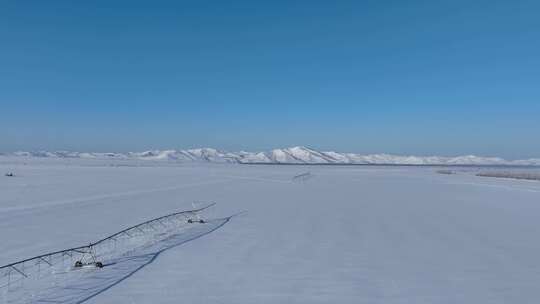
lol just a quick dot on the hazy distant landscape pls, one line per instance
(294, 155)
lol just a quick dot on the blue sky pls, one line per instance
(403, 77)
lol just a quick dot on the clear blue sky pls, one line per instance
(404, 77)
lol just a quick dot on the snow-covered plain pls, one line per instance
(346, 234)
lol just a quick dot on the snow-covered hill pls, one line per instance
(294, 155)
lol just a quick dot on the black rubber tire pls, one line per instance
(78, 264)
(99, 264)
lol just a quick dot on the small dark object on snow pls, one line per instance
(10, 174)
(80, 264)
(199, 221)
(445, 172)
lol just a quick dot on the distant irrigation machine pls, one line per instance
(302, 177)
(94, 255)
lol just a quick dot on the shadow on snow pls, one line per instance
(78, 286)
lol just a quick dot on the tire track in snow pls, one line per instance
(107, 196)
(504, 187)
(258, 179)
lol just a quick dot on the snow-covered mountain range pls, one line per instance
(294, 155)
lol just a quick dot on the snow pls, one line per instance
(294, 155)
(349, 234)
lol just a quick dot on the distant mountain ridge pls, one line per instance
(293, 155)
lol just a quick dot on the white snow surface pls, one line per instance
(348, 234)
(294, 155)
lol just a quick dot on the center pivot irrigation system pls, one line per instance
(94, 254)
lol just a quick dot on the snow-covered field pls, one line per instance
(345, 234)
